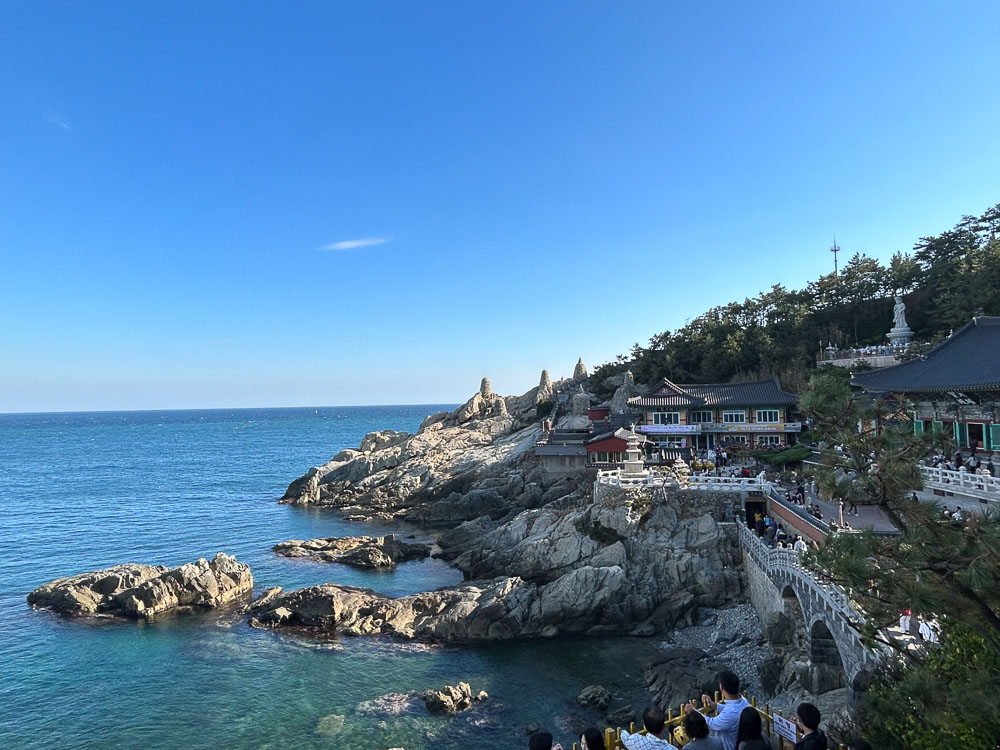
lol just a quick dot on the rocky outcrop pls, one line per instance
(597, 696)
(541, 555)
(788, 665)
(451, 698)
(682, 673)
(577, 567)
(146, 590)
(674, 554)
(628, 389)
(478, 611)
(476, 460)
(359, 551)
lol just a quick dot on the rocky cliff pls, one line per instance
(477, 460)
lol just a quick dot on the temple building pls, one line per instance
(954, 388)
(716, 415)
(608, 449)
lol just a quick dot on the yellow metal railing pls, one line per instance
(612, 737)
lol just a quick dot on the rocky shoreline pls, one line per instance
(540, 554)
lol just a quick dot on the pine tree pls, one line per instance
(939, 569)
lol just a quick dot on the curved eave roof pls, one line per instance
(969, 360)
(753, 393)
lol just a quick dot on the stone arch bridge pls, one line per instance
(779, 583)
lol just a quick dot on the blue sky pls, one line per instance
(539, 181)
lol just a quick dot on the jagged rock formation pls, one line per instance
(451, 698)
(541, 556)
(477, 460)
(358, 551)
(571, 567)
(545, 388)
(789, 663)
(580, 371)
(145, 590)
(619, 401)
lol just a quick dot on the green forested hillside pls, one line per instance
(945, 280)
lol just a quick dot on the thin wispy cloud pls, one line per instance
(59, 121)
(355, 244)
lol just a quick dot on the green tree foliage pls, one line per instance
(948, 699)
(945, 281)
(937, 568)
(784, 456)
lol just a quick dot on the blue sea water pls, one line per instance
(82, 491)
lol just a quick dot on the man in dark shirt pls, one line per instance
(813, 738)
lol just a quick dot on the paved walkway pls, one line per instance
(868, 516)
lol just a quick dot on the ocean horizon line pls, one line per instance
(218, 408)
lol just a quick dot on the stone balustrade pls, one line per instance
(653, 479)
(962, 483)
(787, 562)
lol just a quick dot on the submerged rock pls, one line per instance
(330, 725)
(596, 696)
(145, 590)
(621, 716)
(359, 551)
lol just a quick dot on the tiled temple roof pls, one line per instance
(754, 393)
(969, 360)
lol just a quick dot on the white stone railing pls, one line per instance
(787, 560)
(723, 484)
(962, 482)
(617, 478)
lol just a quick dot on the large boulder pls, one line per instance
(597, 696)
(449, 700)
(146, 590)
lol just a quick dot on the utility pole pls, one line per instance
(835, 250)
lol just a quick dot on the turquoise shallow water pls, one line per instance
(83, 491)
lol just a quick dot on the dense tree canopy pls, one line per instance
(945, 281)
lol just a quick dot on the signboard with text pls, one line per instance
(673, 429)
(756, 427)
(785, 727)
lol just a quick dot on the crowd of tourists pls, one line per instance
(883, 350)
(729, 724)
(775, 536)
(958, 462)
